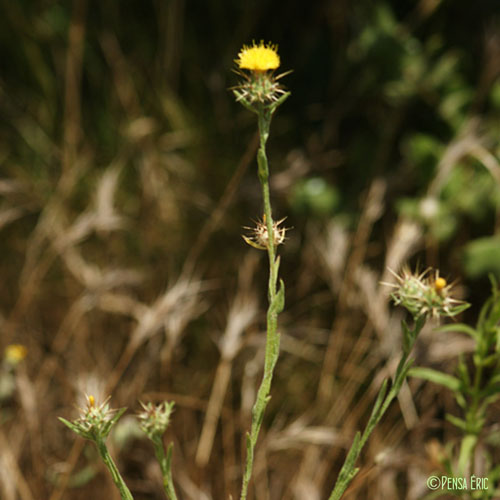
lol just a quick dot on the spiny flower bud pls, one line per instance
(425, 294)
(95, 420)
(154, 420)
(260, 236)
(256, 65)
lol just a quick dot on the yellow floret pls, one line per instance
(258, 57)
(14, 353)
(439, 284)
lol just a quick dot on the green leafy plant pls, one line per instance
(475, 386)
(261, 93)
(423, 297)
(96, 421)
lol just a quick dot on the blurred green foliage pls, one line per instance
(482, 256)
(314, 197)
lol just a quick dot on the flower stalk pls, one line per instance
(382, 403)
(261, 94)
(113, 469)
(95, 423)
(154, 421)
(424, 295)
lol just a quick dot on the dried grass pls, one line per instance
(130, 279)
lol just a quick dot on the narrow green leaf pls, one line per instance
(279, 102)
(263, 169)
(279, 301)
(456, 310)
(351, 456)
(466, 451)
(458, 422)
(419, 324)
(69, 424)
(380, 397)
(437, 377)
(76, 429)
(489, 360)
(483, 314)
(490, 392)
(494, 474)
(490, 398)
(401, 376)
(348, 471)
(458, 327)
(461, 400)
(113, 421)
(241, 99)
(277, 262)
(463, 371)
(494, 316)
(495, 380)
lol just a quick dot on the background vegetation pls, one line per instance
(127, 173)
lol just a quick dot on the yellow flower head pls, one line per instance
(15, 353)
(258, 57)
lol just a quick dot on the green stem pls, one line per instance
(115, 473)
(472, 417)
(264, 125)
(276, 302)
(382, 403)
(165, 461)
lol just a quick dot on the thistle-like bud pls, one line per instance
(425, 294)
(95, 420)
(154, 419)
(259, 237)
(256, 65)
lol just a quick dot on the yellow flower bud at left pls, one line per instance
(15, 353)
